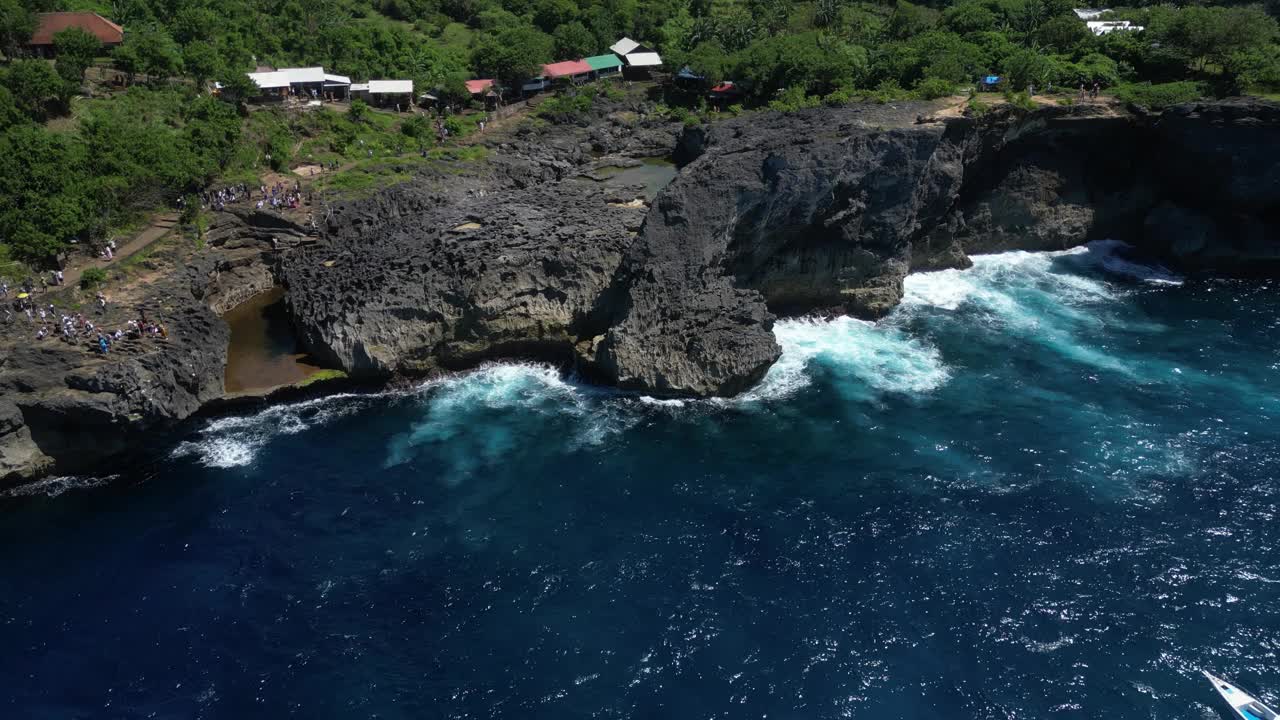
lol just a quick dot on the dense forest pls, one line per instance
(76, 160)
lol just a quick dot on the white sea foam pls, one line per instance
(234, 441)
(482, 415)
(874, 358)
(55, 486)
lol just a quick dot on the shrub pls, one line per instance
(92, 277)
(359, 110)
(417, 127)
(1159, 95)
(934, 88)
(1021, 100)
(977, 107)
(792, 99)
(888, 91)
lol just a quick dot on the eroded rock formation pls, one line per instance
(525, 255)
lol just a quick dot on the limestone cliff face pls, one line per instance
(65, 409)
(411, 286)
(826, 210)
(521, 256)
(822, 210)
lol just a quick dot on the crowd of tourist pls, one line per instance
(280, 195)
(74, 328)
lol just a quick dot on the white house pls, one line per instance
(386, 92)
(298, 81)
(637, 59)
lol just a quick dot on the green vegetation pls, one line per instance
(92, 278)
(1159, 95)
(320, 376)
(79, 159)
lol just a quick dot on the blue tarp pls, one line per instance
(991, 80)
(686, 73)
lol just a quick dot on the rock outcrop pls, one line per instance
(528, 254)
(66, 408)
(408, 285)
(822, 210)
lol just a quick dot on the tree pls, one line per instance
(809, 61)
(149, 51)
(76, 50)
(43, 191)
(1208, 36)
(201, 62)
(551, 14)
(36, 88)
(967, 17)
(454, 90)
(237, 88)
(770, 15)
(17, 23)
(512, 54)
(1063, 33)
(826, 13)
(10, 113)
(909, 20)
(1026, 67)
(574, 40)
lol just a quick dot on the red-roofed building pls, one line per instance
(50, 24)
(475, 87)
(571, 69)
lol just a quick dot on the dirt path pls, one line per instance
(159, 227)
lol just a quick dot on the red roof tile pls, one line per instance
(475, 87)
(93, 23)
(566, 68)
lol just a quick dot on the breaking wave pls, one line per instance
(1054, 299)
(234, 441)
(483, 415)
(873, 359)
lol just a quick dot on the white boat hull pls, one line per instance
(1245, 705)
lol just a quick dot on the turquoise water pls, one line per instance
(1044, 487)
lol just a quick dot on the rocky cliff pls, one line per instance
(526, 254)
(822, 210)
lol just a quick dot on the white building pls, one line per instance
(636, 58)
(1104, 27)
(298, 81)
(386, 92)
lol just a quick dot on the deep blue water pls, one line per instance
(1044, 487)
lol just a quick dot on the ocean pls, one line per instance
(1045, 486)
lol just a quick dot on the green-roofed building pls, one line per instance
(602, 65)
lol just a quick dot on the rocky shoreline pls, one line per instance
(526, 254)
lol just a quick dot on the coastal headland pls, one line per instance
(538, 251)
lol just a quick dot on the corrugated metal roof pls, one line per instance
(339, 79)
(624, 46)
(303, 75)
(644, 59)
(603, 62)
(270, 80)
(360, 87)
(475, 87)
(390, 87)
(566, 68)
(52, 23)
